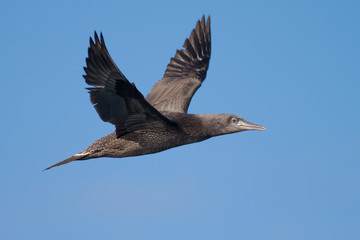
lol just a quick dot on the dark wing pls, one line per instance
(115, 99)
(185, 72)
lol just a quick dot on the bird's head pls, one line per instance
(219, 124)
(238, 124)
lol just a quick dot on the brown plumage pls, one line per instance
(161, 121)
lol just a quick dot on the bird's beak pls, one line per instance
(251, 126)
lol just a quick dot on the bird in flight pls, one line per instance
(160, 121)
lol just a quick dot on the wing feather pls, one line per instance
(115, 99)
(185, 72)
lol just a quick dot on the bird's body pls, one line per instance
(159, 122)
(186, 129)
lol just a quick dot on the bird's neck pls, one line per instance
(200, 125)
(211, 124)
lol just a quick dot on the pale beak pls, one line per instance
(251, 126)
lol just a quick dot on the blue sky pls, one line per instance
(292, 66)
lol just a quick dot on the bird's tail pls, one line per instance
(70, 159)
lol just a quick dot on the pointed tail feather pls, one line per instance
(70, 159)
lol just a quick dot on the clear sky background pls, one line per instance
(292, 66)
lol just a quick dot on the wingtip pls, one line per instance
(96, 38)
(205, 24)
(101, 38)
(207, 21)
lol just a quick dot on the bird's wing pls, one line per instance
(185, 72)
(115, 99)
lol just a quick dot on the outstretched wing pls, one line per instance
(185, 72)
(115, 99)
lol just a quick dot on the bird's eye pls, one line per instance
(234, 120)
